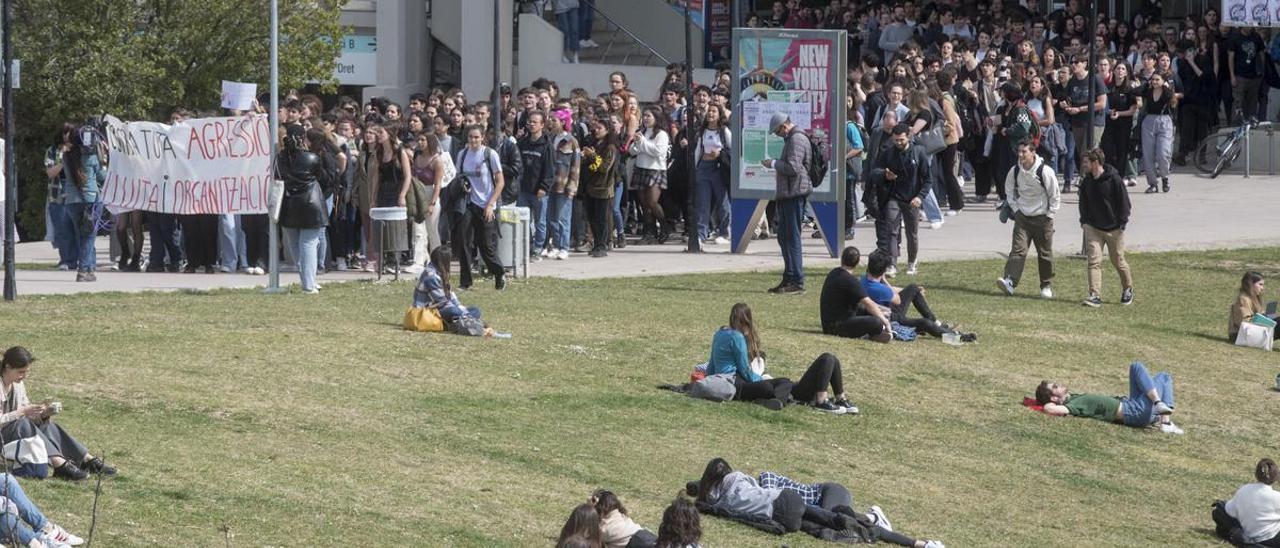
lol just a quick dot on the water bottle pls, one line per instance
(953, 339)
(502, 335)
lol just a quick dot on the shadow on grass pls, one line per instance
(805, 331)
(708, 289)
(1034, 296)
(1208, 533)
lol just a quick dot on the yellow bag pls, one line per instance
(425, 320)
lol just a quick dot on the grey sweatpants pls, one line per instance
(1157, 147)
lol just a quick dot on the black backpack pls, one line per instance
(818, 162)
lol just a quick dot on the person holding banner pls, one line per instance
(793, 188)
(302, 212)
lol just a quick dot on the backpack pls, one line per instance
(818, 162)
(1006, 212)
(714, 387)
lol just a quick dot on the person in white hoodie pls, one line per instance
(1257, 506)
(1033, 198)
(651, 148)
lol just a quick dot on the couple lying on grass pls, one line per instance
(867, 307)
(603, 522)
(778, 504)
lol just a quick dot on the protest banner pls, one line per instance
(800, 73)
(1251, 13)
(202, 166)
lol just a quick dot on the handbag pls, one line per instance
(931, 140)
(423, 319)
(1255, 336)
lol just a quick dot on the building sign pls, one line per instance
(357, 64)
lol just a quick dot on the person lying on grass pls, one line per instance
(435, 291)
(21, 520)
(581, 529)
(1248, 302)
(1150, 401)
(899, 300)
(788, 502)
(1253, 514)
(736, 348)
(681, 526)
(23, 422)
(617, 529)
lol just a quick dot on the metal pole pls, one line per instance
(496, 109)
(1247, 147)
(690, 227)
(273, 241)
(10, 170)
(1093, 59)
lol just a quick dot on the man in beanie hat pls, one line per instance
(793, 187)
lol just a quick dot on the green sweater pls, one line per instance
(1094, 406)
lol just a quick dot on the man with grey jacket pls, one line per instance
(793, 187)
(1033, 198)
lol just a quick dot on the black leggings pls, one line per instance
(763, 389)
(911, 296)
(955, 194)
(822, 372)
(854, 327)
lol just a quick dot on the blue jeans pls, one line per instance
(538, 213)
(305, 243)
(1138, 410)
(28, 519)
(1069, 161)
(560, 216)
(164, 240)
(568, 23)
(61, 237)
(619, 226)
(930, 206)
(83, 233)
(711, 194)
(322, 250)
(586, 18)
(450, 312)
(231, 243)
(790, 218)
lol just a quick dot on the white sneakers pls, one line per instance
(720, 240)
(57, 536)
(588, 44)
(342, 264)
(1170, 428)
(893, 271)
(934, 544)
(562, 254)
(953, 212)
(913, 268)
(1046, 292)
(1005, 285)
(413, 269)
(935, 225)
(879, 519)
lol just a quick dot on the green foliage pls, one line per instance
(138, 59)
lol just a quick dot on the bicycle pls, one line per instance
(1218, 151)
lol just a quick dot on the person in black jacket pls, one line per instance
(1104, 212)
(302, 213)
(512, 165)
(1197, 111)
(901, 174)
(539, 174)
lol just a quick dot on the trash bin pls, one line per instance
(381, 217)
(513, 239)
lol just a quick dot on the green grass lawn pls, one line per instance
(314, 420)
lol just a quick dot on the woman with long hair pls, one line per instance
(389, 185)
(944, 81)
(1158, 102)
(581, 529)
(429, 166)
(920, 118)
(1050, 60)
(617, 529)
(1248, 303)
(1117, 142)
(80, 195)
(599, 170)
(435, 290)
(567, 159)
(302, 213)
(1040, 103)
(711, 187)
(651, 147)
(60, 227)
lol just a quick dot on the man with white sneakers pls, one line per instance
(1033, 198)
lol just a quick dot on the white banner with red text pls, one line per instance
(200, 166)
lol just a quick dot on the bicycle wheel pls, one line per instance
(1215, 154)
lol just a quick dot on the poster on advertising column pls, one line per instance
(800, 73)
(1251, 13)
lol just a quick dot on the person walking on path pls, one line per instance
(793, 189)
(899, 182)
(1034, 198)
(1104, 213)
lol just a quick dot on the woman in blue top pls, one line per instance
(80, 196)
(736, 347)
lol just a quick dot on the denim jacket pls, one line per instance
(94, 176)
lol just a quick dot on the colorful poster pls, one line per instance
(1251, 13)
(796, 72)
(717, 33)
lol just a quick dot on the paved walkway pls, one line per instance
(1230, 211)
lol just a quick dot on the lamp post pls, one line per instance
(10, 173)
(690, 228)
(273, 245)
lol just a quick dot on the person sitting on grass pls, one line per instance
(790, 503)
(617, 529)
(1248, 302)
(1253, 514)
(1150, 401)
(435, 291)
(21, 421)
(582, 529)
(733, 348)
(681, 526)
(21, 520)
(845, 309)
(899, 300)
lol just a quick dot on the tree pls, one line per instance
(137, 59)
